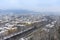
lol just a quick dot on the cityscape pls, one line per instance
(29, 27)
(29, 19)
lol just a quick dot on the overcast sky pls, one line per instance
(36, 5)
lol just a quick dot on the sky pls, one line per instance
(36, 5)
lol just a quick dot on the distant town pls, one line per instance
(29, 27)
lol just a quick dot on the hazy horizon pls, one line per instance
(35, 5)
